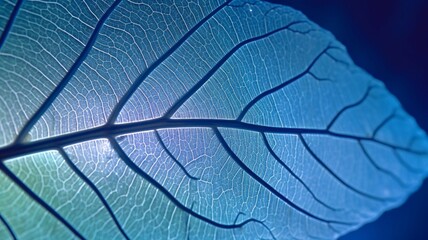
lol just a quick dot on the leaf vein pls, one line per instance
(38, 200)
(94, 189)
(10, 22)
(68, 76)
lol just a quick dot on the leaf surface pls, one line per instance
(183, 119)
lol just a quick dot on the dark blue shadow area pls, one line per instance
(389, 39)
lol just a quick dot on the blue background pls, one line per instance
(389, 39)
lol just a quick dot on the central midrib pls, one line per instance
(105, 131)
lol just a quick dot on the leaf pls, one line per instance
(192, 119)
